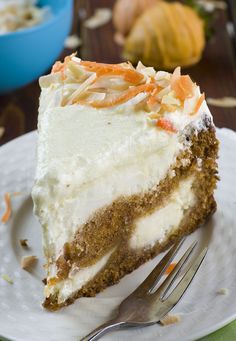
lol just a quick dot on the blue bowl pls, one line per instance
(27, 54)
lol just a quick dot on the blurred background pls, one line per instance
(198, 35)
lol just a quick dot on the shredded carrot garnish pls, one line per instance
(130, 75)
(124, 97)
(170, 268)
(198, 104)
(166, 125)
(153, 100)
(183, 87)
(8, 210)
(94, 65)
(58, 66)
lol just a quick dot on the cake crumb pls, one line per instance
(170, 319)
(24, 243)
(223, 291)
(28, 262)
(7, 279)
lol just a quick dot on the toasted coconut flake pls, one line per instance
(7, 279)
(163, 92)
(28, 262)
(223, 291)
(72, 42)
(24, 243)
(123, 97)
(77, 71)
(170, 99)
(83, 87)
(224, 102)
(101, 17)
(156, 115)
(52, 78)
(2, 131)
(170, 319)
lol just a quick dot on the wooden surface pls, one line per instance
(216, 73)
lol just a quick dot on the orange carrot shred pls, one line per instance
(166, 125)
(101, 69)
(183, 87)
(58, 66)
(124, 97)
(8, 210)
(153, 100)
(198, 104)
(170, 268)
(89, 64)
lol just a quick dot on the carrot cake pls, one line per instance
(126, 166)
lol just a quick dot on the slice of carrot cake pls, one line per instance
(126, 166)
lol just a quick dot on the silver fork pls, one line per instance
(146, 305)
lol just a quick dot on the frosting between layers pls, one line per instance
(159, 224)
(76, 279)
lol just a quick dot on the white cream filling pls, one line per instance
(156, 226)
(76, 279)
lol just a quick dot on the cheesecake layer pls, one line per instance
(156, 226)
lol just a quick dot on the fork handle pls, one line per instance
(102, 329)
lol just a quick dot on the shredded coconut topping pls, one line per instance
(107, 85)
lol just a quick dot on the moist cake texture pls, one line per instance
(126, 166)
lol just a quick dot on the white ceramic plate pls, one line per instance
(202, 309)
